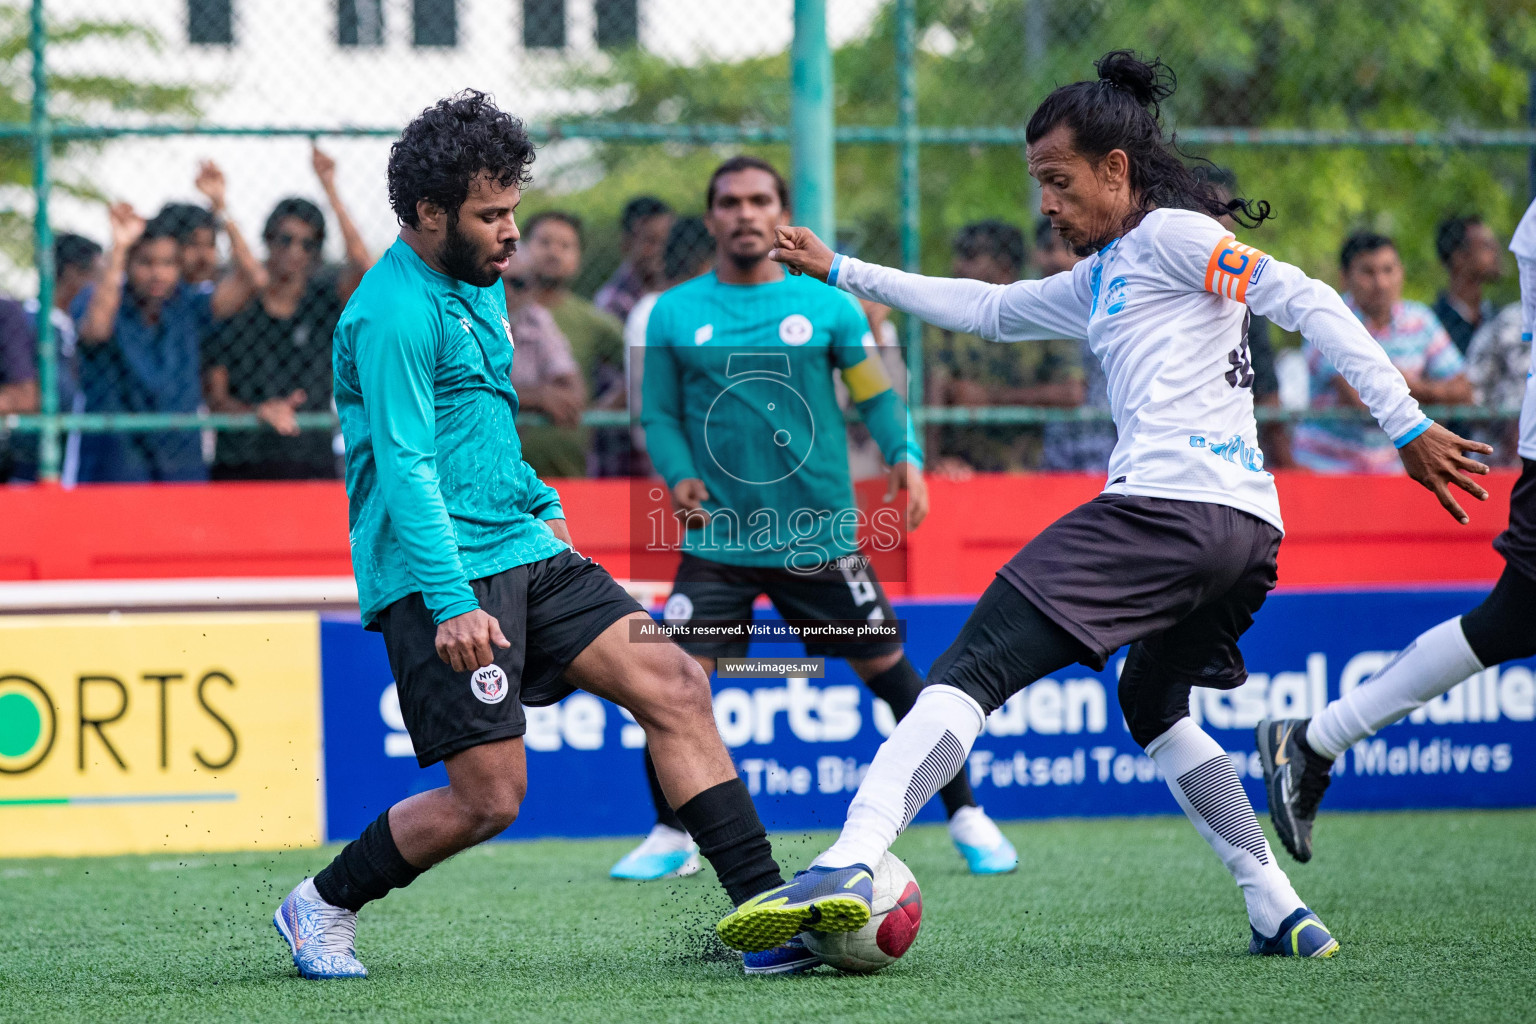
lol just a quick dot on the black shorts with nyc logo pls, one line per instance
(550, 610)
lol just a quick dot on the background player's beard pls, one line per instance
(462, 260)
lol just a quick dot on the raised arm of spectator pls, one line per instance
(358, 257)
(100, 317)
(246, 276)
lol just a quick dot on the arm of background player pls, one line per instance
(394, 369)
(661, 408)
(1056, 307)
(869, 387)
(1199, 253)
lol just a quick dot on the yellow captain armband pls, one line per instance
(867, 379)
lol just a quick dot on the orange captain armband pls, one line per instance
(1232, 267)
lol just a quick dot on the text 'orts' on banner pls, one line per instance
(159, 733)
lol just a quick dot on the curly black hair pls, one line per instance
(447, 146)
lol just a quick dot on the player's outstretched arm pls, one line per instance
(1199, 253)
(1056, 307)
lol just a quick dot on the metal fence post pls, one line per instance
(810, 138)
(911, 239)
(47, 351)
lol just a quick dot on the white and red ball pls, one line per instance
(895, 917)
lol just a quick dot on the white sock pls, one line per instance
(928, 747)
(1205, 784)
(1436, 661)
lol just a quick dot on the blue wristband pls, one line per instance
(1424, 425)
(837, 264)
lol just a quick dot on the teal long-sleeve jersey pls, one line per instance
(438, 493)
(739, 393)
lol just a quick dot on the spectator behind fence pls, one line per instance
(689, 251)
(1274, 438)
(1498, 363)
(18, 376)
(141, 331)
(1472, 259)
(1074, 447)
(273, 357)
(76, 263)
(546, 377)
(969, 371)
(596, 338)
(1418, 346)
(197, 233)
(643, 227)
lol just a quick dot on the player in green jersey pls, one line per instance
(462, 556)
(742, 420)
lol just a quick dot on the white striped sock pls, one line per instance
(928, 747)
(1206, 785)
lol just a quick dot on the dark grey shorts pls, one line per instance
(1518, 543)
(1183, 577)
(550, 610)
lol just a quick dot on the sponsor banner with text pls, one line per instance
(159, 733)
(1059, 748)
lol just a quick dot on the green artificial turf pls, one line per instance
(1109, 920)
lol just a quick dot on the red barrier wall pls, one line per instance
(1340, 530)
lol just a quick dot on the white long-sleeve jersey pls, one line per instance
(1523, 245)
(1164, 308)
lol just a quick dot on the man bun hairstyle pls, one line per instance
(1122, 109)
(448, 145)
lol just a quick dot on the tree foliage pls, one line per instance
(1314, 64)
(73, 97)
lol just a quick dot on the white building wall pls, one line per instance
(286, 69)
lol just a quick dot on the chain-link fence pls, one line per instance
(262, 127)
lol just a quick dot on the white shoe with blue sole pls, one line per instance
(322, 937)
(985, 849)
(666, 853)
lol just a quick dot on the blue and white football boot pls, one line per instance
(828, 899)
(985, 849)
(790, 958)
(1301, 934)
(321, 936)
(665, 853)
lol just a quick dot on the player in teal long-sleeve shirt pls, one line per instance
(462, 556)
(742, 420)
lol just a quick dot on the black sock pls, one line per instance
(724, 823)
(899, 687)
(665, 815)
(366, 868)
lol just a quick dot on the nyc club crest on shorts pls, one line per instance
(489, 684)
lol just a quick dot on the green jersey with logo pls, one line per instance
(739, 392)
(438, 493)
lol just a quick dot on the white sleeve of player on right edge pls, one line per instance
(1296, 302)
(1056, 307)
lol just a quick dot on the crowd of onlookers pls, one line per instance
(159, 323)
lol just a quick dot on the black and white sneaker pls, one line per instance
(1295, 777)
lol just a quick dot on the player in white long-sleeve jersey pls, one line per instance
(1298, 753)
(1178, 552)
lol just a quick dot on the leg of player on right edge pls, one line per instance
(1298, 753)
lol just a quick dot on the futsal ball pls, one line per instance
(894, 918)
